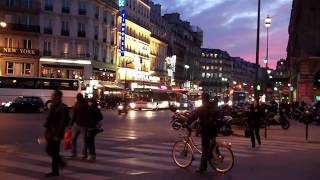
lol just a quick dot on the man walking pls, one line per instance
(55, 126)
(254, 121)
(208, 114)
(79, 124)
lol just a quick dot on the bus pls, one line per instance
(239, 97)
(150, 99)
(13, 87)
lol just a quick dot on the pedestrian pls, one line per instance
(208, 115)
(55, 125)
(94, 127)
(79, 124)
(254, 121)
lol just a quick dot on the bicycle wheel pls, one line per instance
(222, 158)
(182, 154)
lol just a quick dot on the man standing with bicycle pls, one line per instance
(208, 115)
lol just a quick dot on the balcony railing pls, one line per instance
(82, 12)
(48, 8)
(64, 32)
(65, 10)
(23, 27)
(21, 6)
(47, 30)
(81, 34)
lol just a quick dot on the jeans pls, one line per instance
(90, 138)
(206, 141)
(76, 131)
(53, 149)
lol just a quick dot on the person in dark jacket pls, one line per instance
(79, 124)
(208, 115)
(55, 126)
(254, 121)
(95, 117)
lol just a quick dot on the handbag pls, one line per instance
(67, 140)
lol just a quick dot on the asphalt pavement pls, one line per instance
(138, 146)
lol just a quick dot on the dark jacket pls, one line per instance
(80, 114)
(56, 121)
(208, 116)
(95, 116)
(255, 116)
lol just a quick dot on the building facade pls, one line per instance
(78, 39)
(19, 39)
(303, 51)
(184, 44)
(134, 65)
(159, 42)
(215, 71)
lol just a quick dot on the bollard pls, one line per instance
(307, 130)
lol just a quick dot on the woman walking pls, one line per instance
(254, 121)
(93, 128)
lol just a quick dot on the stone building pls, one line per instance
(303, 51)
(185, 43)
(19, 39)
(215, 71)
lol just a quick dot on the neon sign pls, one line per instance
(122, 3)
(123, 32)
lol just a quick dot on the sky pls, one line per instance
(231, 25)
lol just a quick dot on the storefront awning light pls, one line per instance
(70, 61)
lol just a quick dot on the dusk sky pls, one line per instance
(231, 24)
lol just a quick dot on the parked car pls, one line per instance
(23, 104)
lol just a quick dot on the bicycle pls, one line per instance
(222, 159)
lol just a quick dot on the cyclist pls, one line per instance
(208, 115)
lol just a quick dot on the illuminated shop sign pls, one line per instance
(123, 32)
(122, 3)
(19, 51)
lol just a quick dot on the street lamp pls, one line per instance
(267, 25)
(3, 24)
(186, 67)
(257, 53)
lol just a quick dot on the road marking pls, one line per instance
(5, 175)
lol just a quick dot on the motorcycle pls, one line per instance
(122, 109)
(274, 119)
(179, 119)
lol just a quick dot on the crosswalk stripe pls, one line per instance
(41, 169)
(136, 162)
(5, 175)
(78, 164)
(143, 150)
(152, 146)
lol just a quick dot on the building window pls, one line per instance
(10, 69)
(65, 6)
(215, 55)
(220, 69)
(220, 61)
(27, 68)
(10, 3)
(220, 74)
(48, 5)
(27, 4)
(81, 30)
(96, 14)
(27, 44)
(65, 49)
(82, 8)
(80, 50)
(65, 28)
(8, 42)
(47, 48)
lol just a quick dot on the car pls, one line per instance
(24, 104)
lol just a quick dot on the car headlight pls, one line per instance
(177, 104)
(132, 105)
(185, 105)
(3, 103)
(149, 105)
(120, 107)
(198, 103)
(8, 104)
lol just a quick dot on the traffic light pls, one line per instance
(291, 89)
(289, 84)
(258, 87)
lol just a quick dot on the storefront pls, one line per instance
(65, 68)
(132, 79)
(19, 62)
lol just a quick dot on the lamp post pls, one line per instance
(256, 94)
(186, 67)
(267, 25)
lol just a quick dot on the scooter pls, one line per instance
(274, 119)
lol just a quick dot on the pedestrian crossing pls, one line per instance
(115, 158)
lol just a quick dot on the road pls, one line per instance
(138, 146)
